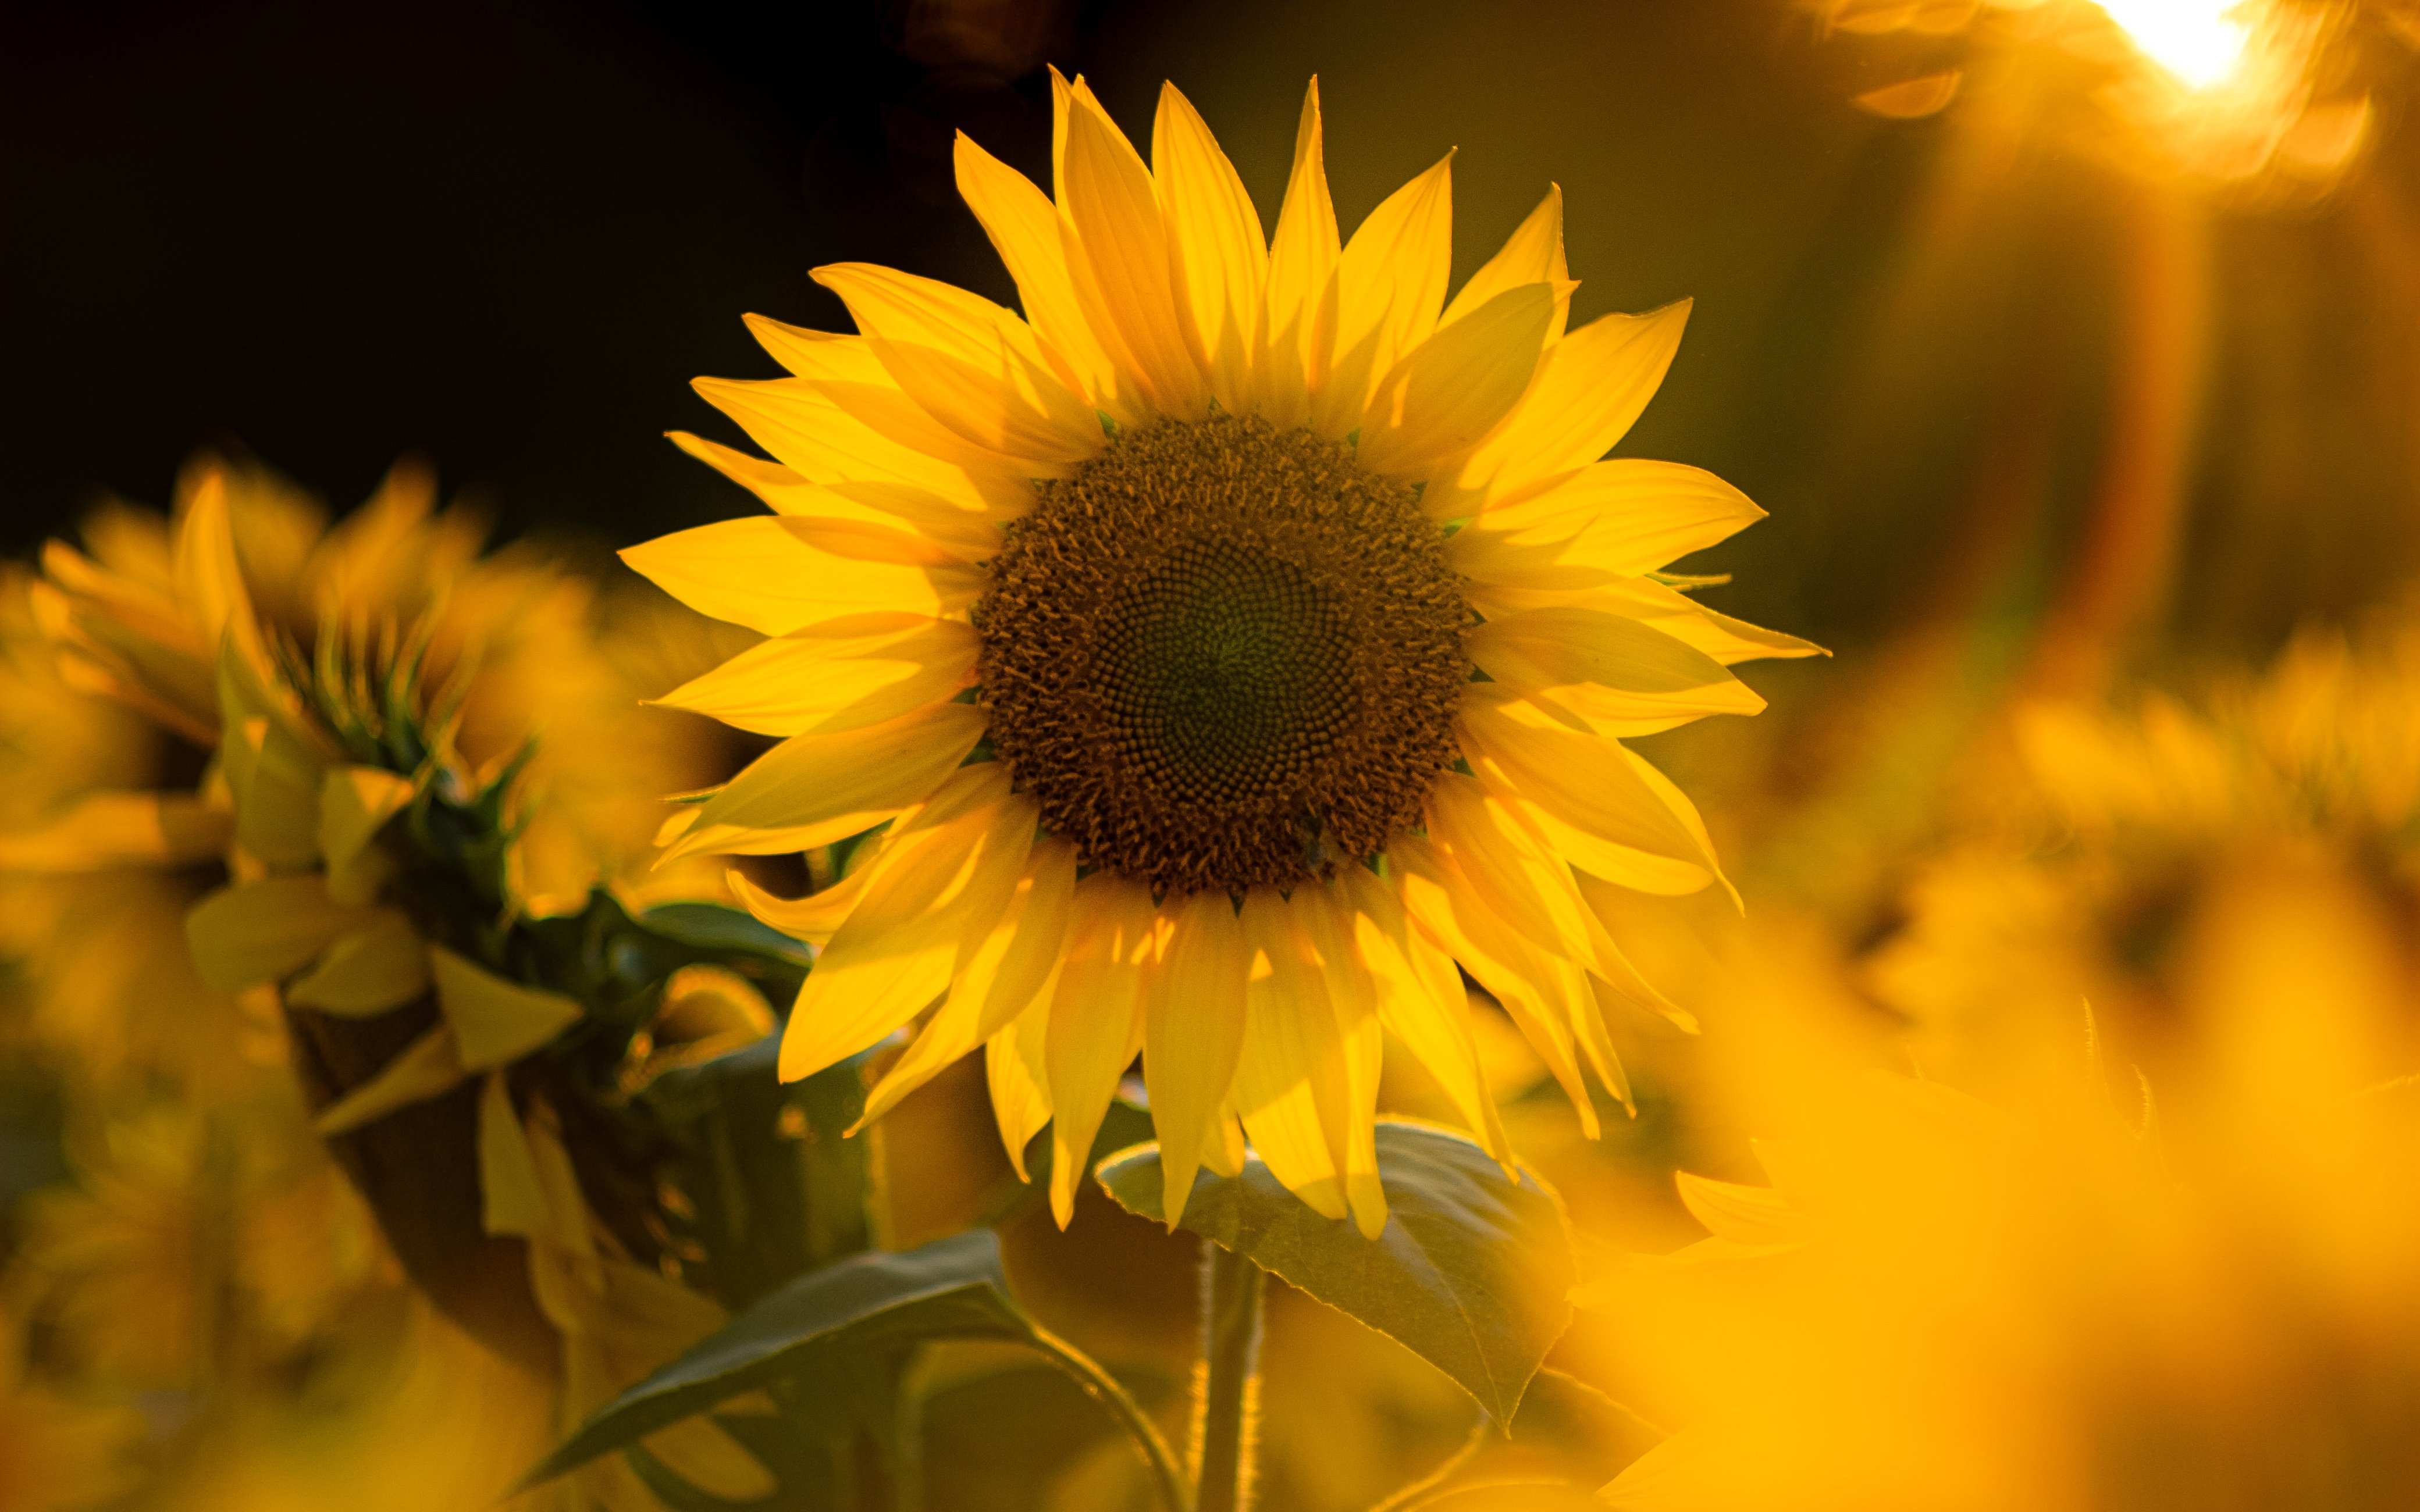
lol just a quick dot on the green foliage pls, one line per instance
(998, 1442)
(870, 1304)
(1469, 1274)
(769, 1195)
(833, 1347)
(1584, 1435)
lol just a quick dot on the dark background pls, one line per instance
(507, 234)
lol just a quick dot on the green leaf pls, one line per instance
(1588, 1436)
(1469, 1274)
(872, 1303)
(714, 927)
(764, 1203)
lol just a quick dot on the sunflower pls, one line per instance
(1223, 651)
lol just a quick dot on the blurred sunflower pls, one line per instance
(242, 693)
(2090, 862)
(2078, 1286)
(1230, 646)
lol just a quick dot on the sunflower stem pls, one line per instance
(1226, 1413)
(1103, 1388)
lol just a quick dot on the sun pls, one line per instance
(2201, 42)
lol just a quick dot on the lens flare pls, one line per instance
(2201, 43)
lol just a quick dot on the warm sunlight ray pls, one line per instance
(2201, 43)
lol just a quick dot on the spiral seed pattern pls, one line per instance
(1217, 652)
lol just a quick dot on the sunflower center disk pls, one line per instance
(1215, 643)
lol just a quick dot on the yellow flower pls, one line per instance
(1147, 623)
(96, 872)
(2083, 871)
(191, 1247)
(2192, 1285)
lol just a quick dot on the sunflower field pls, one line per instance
(1357, 757)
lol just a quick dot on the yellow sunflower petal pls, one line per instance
(967, 535)
(495, 1020)
(210, 579)
(1222, 258)
(1533, 254)
(813, 681)
(1020, 1084)
(1023, 225)
(973, 367)
(106, 830)
(1095, 1020)
(761, 573)
(1594, 858)
(890, 306)
(1594, 384)
(355, 803)
(887, 410)
(1747, 1214)
(1389, 284)
(814, 919)
(1291, 1087)
(1631, 516)
(1422, 1002)
(895, 953)
(855, 535)
(1224, 1153)
(1299, 321)
(1558, 647)
(1000, 975)
(1675, 614)
(371, 970)
(1623, 715)
(273, 763)
(1617, 974)
(1589, 1028)
(1604, 899)
(1677, 802)
(1352, 993)
(819, 916)
(1193, 1034)
(833, 432)
(1519, 880)
(999, 414)
(512, 1199)
(1118, 252)
(424, 1068)
(1536, 989)
(837, 785)
(264, 930)
(1586, 783)
(149, 610)
(776, 484)
(822, 355)
(1458, 385)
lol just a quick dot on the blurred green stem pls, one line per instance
(1420, 1492)
(1103, 1388)
(1227, 1416)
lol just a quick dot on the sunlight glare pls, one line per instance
(2199, 41)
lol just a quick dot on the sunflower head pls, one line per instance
(1218, 655)
(1218, 661)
